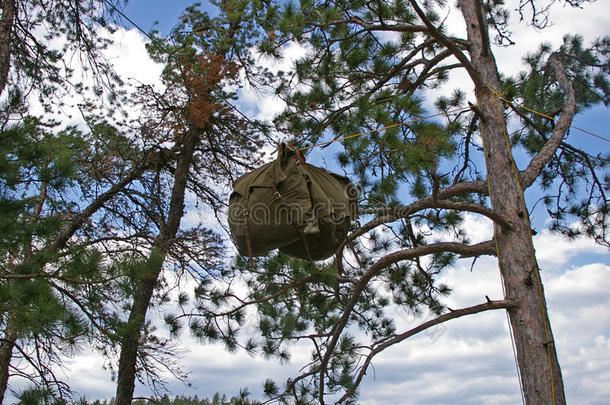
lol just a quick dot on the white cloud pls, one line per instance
(588, 372)
(265, 106)
(87, 374)
(552, 250)
(586, 284)
(471, 361)
(590, 21)
(130, 57)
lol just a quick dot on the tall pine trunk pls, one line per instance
(536, 354)
(130, 343)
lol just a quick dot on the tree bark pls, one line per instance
(131, 340)
(6, 353)
(537, 358)
(9, 9)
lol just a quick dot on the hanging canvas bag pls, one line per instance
(287, 204)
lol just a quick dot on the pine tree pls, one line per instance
(205, 144)
(68, 245)
(53, 276)
(366, 66)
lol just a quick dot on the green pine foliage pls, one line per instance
(42, 171)
(69, 280)
(80, 211)
(65, 29)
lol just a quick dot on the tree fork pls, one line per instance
(536, 353)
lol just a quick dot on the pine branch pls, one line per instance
(55, 276)
(337, 329)
(93, 318)
(96, 204)
(406, 254)
(538, 162)
(430, 202)
(245, 303)
(368, 26)
(400, 66)
(477, 187)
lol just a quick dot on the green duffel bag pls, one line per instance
(302, 210)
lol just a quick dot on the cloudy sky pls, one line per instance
(465, 361)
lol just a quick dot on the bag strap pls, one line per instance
(246, 214)
(300, 157)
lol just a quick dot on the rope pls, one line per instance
(512, 337)
(553, 119)
(510, 331)
(454, 111)
(448, 112)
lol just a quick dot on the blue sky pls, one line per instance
(146, 13)
(467, 361)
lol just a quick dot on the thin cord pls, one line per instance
(512, 342)
(455, 111)
(510, 330)
(553, 119)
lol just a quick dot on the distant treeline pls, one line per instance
(33, 397)
(217, 399)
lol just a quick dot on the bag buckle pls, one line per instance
(245, 212)
(277, 195)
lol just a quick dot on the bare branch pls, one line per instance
(394, 339)
(97, 204)
(484, 248)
